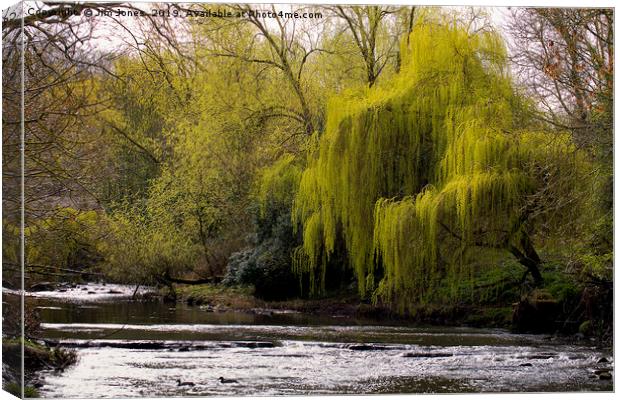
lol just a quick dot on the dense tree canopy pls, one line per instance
(402, 150)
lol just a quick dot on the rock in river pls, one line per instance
(43, 287)
(366, 347)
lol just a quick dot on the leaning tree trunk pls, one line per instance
(528, 257)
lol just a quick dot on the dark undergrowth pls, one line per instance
(500, 297)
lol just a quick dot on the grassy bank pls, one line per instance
(222, 298)
(37, 357)
(559, 308)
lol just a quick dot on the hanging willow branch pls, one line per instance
(441, 145)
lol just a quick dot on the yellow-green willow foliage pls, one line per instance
(66, 238)
(434, 156)
(278, 183)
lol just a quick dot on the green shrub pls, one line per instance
(267, 265)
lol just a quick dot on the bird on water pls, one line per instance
(222, 380)
(179, 383)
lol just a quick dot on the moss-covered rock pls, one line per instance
(15, 389)
(585, 328)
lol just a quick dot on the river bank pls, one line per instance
(219, 298)
(582, 315)
(38, 357)
(537, 312)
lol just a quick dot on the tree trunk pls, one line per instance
(528, 258)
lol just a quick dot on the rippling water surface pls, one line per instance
(143, 348)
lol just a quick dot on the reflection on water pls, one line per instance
(330, 333)
(131, 348)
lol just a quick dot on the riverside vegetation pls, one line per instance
(400, 162)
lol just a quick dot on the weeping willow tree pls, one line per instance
(414, 176)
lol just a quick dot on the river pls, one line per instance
(142, 348)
